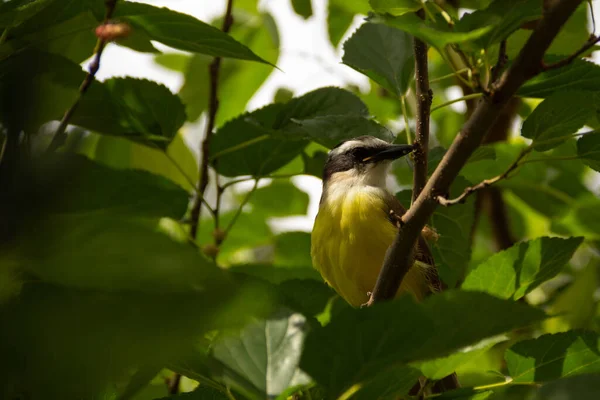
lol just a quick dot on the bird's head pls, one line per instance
(364, 160)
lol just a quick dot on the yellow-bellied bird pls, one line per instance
(357, 222)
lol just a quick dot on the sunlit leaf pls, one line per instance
(382, 53)
(395, 7)
(554, 356)
(518, 270)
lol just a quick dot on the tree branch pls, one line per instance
(424, 99)
(213, 106)
(528, 63)
(586, 46)
(59, 135)
(500, 64)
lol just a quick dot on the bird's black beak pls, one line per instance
(392, 152)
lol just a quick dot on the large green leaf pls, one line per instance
(503, 16)
(382, 53)
(183, 32)
(437, 35)
(395, 7)
(266, 353)
(578, 75)
(518, 270)
(263, 141)
(588, 149)
(359, 344)
(121, 107)
(557, 117)
(554, 356)
(389, 385)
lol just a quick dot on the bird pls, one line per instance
(357, 221)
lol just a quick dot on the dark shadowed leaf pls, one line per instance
(390, 384)
(557, 117)
(203, 392)
(503, 16)
(292, 248)
(183, 31)
(579, 75)
(266, 353)
(277, 273)
(588, 149)
(551, 357)
(303, 8)
(436, 35)
(137, 109)
(514, 272)
(358, 351)
(581, 387)
(382, 53)
(395, 7)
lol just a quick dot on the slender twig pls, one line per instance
(485, 183)
(452, 75)
(236, 181)
(591, 7)
(500, 64)
(593, 39)
(409, 139)
(4, 35)
(59, 135)
(424, 98)
(241, 208)
(213, 107)
(464, 98)
(398, 258)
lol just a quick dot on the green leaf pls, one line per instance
(503, 16)
(266, 353)
(277, 274)
(551, 357)
(338, 21)
(390, 384)
(557, 117)
(382, 53)
(395, 7)
(333, 129)
(578, 75)
(580, 387)
(292, 248)
(202, 393)
(303, 8)
(183, 32)
(358, 351)
(279, 199)
(436, 35)
(80, 185)
(263, 141)
(514, 272)
(120, 107)
(588, 149)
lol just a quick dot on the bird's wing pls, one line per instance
(422, 250)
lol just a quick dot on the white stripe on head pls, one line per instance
(364, 141)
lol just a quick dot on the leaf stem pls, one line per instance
(239, 146)
(59, 135)
(561, 158)
(240, 208)
(467, 97)
(452, 75)
(236, 181)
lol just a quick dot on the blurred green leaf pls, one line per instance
(303, 8)
(279, 199)
(382, 53)
(514, 272)
(576, 305)
(313, 165)
(201, 393)
(582, 219)
(560, 115)
(395, 7)
(578, 75)
(437, 35)
(263, 141)
(277, 273)
(554, 356)
(81, 185)
(292, 248)
(588, 149)
(581, 387)
(390, 384)
(266, 353)
(120, 106)
(339, 20)
(502, 16)
(183, 31)
(358, 351)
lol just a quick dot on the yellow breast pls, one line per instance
(349, 241)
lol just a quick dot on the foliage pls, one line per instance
(105, 294)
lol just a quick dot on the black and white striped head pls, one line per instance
(363, 159)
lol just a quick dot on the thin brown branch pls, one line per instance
(59, 135)
(424, 99)
(593, 39)
(213, 106)
(398, 258)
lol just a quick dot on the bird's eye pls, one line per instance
(359, 154)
